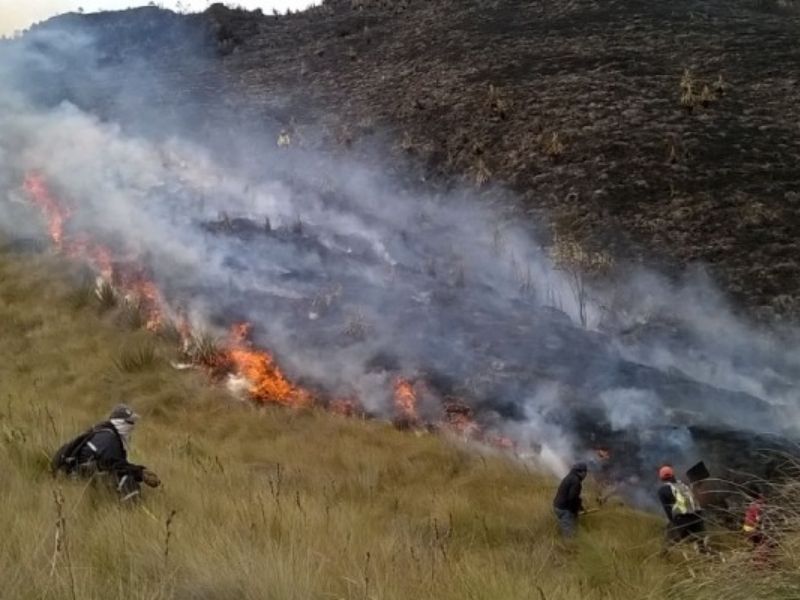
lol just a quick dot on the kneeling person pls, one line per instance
(104, 449)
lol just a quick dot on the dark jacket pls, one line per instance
(568, 496)
(106, 450)
(667, 499)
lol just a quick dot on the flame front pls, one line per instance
(55, 214)
(405, 399)
(137, 287)
(252, 367)
(459, 418)
(267, 384)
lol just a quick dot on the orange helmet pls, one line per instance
(665, 473)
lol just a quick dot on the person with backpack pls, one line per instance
(682, 510)
(103, 450)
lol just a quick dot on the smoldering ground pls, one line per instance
(352, 278)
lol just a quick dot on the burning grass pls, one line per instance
(293, 504)
(267, 501)
(125, 289)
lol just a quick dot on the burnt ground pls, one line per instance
(575, 105)
(478, 89)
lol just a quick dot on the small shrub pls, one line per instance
(204, 349)
(482, 173)
(706, 96)
(137, 359)
(170, 331)
(554, 146)
(131, 315)
(106, 295)
(80, 297)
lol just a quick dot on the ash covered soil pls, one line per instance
(575, 105)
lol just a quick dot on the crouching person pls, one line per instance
(103, 451)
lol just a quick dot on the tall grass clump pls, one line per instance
(764, 564)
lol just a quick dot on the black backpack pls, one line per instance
(66, 457)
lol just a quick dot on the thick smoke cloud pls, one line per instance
(351, 279)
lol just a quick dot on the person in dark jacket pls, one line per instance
(568, 503)
(682, 510)
(104, 450)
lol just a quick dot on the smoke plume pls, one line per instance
(352, 278)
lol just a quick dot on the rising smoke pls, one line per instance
(352, 279)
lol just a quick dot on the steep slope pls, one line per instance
(657, 133)
(267, 503)
(350, 278)
(578, 106)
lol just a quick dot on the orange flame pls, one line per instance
(345, 407)
(405, 399)
(55, 215)
(132, 281)
(147, 294)
(267, 383)
(99, 257)
(458, 417)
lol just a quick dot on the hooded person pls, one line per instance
(103, 449)
(681, 508)
(568, 503)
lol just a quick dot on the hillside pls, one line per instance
(269, 503)
(285, 504)
(577, 106)
(266, 502)
(180, 158)
(444, 219)
(663, 134)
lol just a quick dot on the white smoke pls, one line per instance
(360, 279)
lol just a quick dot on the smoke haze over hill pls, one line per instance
(354, 277)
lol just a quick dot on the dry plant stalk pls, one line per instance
(168, 535)
(572, 258)
(554, 147)
(61, 545)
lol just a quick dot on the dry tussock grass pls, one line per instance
(266, 503)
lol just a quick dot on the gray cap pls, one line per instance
(124, 412)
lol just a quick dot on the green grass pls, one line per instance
(265, 502)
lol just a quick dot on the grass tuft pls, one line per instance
(106, 296)
(140, 358)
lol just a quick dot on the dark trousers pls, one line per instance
(691, 527)
(123, 481)
(567, 522)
